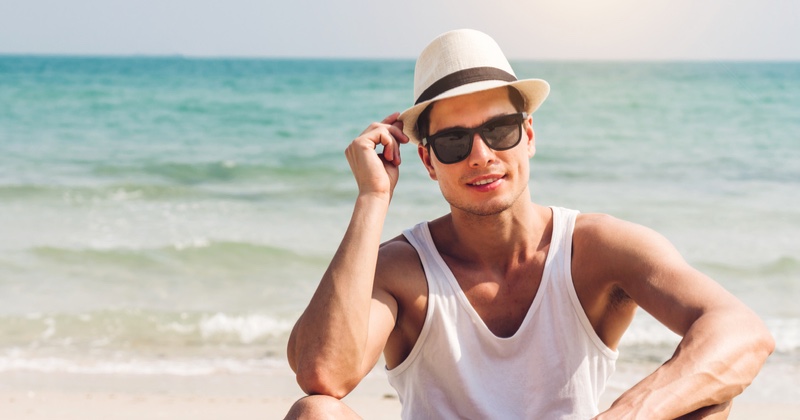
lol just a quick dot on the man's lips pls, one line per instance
(484, 180)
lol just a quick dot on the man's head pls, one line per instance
(461, 62)
(477, 116)
(480, 150)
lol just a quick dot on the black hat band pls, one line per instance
(463, 77)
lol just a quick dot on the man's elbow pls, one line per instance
(764, 343)
(760, 342)
(759, 345)
(320, 381)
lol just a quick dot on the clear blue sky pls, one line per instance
(526, 29)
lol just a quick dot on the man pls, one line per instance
(504, 308)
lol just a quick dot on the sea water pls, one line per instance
(173, 216)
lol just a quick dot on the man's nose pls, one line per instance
(481, 153)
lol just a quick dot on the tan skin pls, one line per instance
(373, 297)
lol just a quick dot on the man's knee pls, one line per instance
(318, 407)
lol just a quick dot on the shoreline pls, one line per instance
(35, 395)
(268, 394)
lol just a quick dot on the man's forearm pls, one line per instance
(329, 340)
(711, 366)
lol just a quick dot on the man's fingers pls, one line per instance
(396, 127)
(391, 149)
(397, 131)
(389, 134)
(390, 125)
(391, 118)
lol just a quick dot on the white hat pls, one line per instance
(461, 62)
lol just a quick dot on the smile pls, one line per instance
(485, 181)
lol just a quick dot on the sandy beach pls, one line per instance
(25, 395)
(35, 396)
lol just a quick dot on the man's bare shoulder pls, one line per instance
(601, 225)
(616, 235)
(398, 251)
(612, 255)
(609, 249)
(398, 265)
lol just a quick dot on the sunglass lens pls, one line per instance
(452, 147)
(503, 133)
(502, 137)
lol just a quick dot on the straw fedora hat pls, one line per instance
(461, 62)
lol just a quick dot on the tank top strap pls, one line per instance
(420, 238)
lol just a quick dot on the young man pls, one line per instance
(504, 308)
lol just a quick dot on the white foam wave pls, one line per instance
(786, 332)
(181, 367)
(248, 328)
(646, 331)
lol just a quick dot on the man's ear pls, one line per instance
(528, 127)
(425, 156)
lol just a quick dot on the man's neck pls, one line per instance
(498, 240)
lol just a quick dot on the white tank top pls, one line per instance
(554, 367)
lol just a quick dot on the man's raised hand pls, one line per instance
(377, 173)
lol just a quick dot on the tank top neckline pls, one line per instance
(553, 249)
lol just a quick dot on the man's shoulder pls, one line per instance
(599, 227)
(397, 247)
(602, 240)
(400, 273)
(397, 258)
(604, 227)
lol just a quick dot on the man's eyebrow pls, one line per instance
(460, 127)
(453, 128)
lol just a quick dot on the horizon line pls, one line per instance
(379, 58)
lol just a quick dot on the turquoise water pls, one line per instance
(173, 215)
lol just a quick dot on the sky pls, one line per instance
(525, 29)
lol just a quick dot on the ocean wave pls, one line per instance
(137, 329)
(16, 361)
(649, 334)
(316, 167)
(310, 177)
(101, 193)
(11, 192)
(786, 332)
(247, 329)
(646, 332)
(149, 343)
(276, 188)
(198, 252)
(197, 276)
(784, 265)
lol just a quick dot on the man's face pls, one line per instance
(488, 181)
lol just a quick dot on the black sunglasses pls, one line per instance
(455, 144)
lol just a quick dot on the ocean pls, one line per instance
(173, 215)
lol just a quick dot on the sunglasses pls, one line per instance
(455, 144)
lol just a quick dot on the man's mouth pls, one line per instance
(485, 181)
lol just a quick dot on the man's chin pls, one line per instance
(481, 210)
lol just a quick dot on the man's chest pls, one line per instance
(501, 301)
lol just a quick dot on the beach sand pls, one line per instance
(67, 396)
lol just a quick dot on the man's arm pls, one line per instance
(724, 343)
(340, 335)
